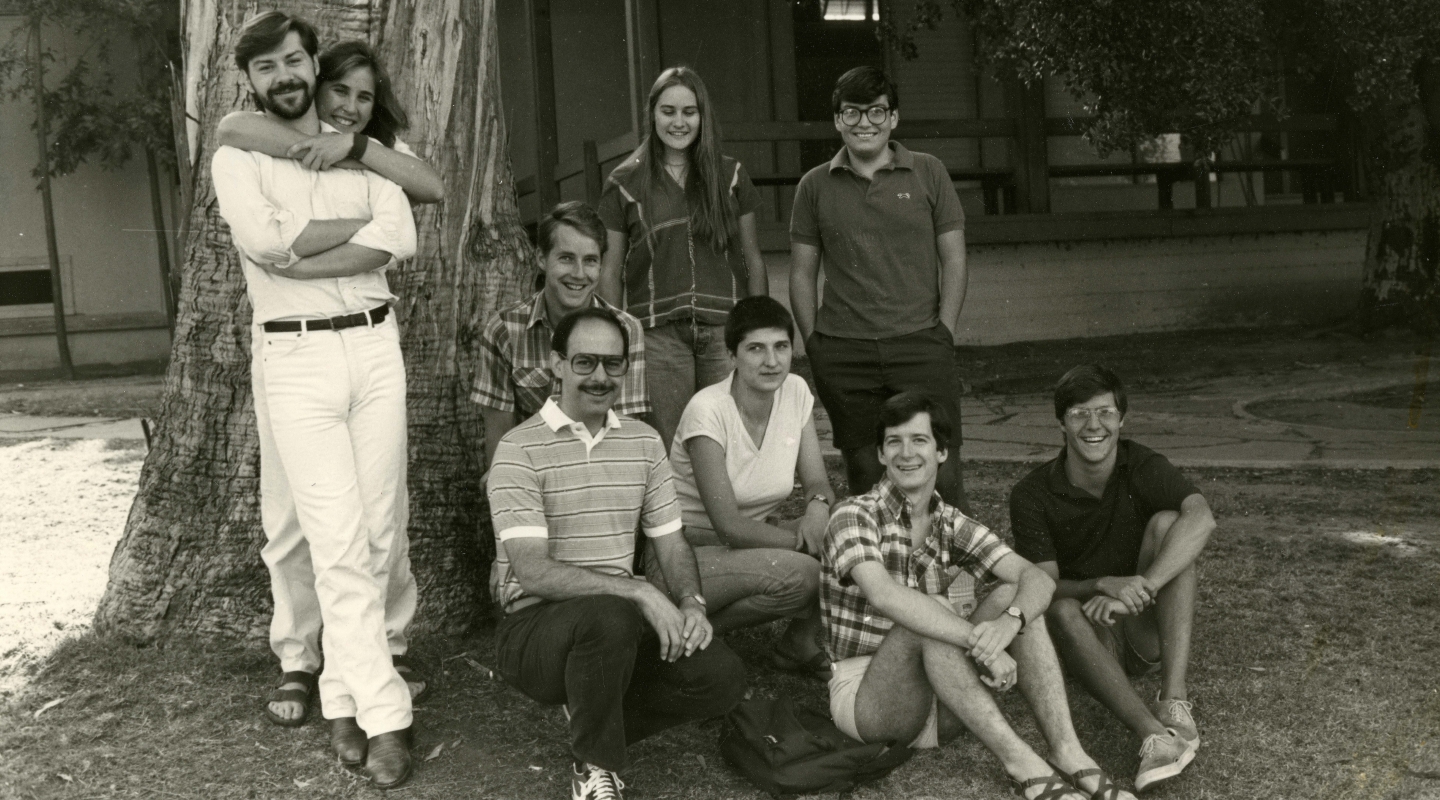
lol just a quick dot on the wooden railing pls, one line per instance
(998, 184)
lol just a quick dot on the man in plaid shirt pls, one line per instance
(907, 667)
(513, 378)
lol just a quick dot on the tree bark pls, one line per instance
(1402, 256)
(189, 561)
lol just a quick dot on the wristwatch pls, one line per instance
(1014, 611)
(698, 599)
(818, 496)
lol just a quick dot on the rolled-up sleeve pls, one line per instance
(262, 231)
(391, 228)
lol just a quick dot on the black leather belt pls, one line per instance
(374, 316)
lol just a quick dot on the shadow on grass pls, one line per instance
(1313, 676)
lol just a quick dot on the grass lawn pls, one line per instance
(1314, 676)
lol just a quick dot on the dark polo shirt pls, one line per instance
(877, 242)
(1090, 537)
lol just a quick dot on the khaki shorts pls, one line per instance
(846, 674)
(1118, 643)
(845, 677)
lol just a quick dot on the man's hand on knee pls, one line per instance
(999, 673)
(1102, 610)
(991, 637)
(667, 620)
(1132, 590)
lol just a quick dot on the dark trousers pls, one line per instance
(601, 658)
(854, 377)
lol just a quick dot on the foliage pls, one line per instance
(1196, 67)
(88, 115)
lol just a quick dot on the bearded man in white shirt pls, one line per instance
(329, 385)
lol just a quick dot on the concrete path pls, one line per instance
(18, 426)
(1229, 422)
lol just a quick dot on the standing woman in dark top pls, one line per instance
(682, 244)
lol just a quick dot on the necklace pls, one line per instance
(677, 171)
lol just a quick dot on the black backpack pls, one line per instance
(786, 750)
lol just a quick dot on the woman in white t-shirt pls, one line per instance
(737, 451)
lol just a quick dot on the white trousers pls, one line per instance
(330, 407)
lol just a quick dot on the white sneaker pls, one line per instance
(595, 784)
(1176, 715)
(1162, 757)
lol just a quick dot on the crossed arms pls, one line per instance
(1114, 595)
(986, 641)
(286, 242)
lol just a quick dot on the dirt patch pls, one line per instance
(62, 508)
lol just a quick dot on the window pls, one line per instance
(851, 10)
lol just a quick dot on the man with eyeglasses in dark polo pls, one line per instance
(570, 487)
(1119, 529)
(887, 225)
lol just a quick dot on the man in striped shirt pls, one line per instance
(906, 666)
(569, 488)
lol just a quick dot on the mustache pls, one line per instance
(287, 86)
(601, 386)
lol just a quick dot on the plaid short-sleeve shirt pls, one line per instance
(513, 371)
(875, 526)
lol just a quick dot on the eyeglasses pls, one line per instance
(585, 363)
(1079, 416)
(850, 115)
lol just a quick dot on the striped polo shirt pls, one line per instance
(586, 494)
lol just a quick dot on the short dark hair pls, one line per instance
(863, 84)
(756, 313)
(1086, 382)
(266, 31)
(578, 215)
(560, 340)
(902, 407)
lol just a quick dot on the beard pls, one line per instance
(283, 109)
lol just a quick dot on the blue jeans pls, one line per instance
(681, 358)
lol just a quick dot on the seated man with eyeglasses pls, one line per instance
(1119, 528)
(569, 488)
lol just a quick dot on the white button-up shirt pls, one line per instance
(269, 201)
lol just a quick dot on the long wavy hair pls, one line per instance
(707, 192)
(388, 116)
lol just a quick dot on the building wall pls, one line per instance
(104, 233)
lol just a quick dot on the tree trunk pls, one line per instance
(189, 560)
(1402, 258)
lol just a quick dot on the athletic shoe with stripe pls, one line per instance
(1176, 715)
(594, 783)
(1162, 757)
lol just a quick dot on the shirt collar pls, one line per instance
(896, 503)
(557, 419)
(1059, 482)
(902, 159)
(537, 307)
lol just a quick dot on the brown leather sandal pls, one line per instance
(301, 696)
(1105, 789)
(1054, 787)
